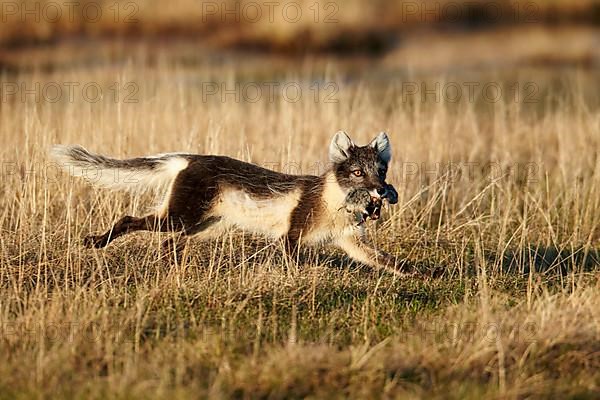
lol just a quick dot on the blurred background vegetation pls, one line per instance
(424, 34)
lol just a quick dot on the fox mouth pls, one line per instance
(373, 211)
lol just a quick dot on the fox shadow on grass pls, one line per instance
(550, 260)
(241, 250)
(250, 250)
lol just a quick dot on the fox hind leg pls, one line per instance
(129, 224)
(187, 211)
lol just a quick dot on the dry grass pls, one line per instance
(514, 314)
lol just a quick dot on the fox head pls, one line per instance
(360, 167)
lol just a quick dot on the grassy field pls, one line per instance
(499, 213)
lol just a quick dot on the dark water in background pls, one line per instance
(535, 89)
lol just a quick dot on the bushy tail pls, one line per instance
(136, 175)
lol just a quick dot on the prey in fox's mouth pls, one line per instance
(365, 206)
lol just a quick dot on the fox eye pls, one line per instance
(357, 172)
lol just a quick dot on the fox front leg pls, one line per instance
(360, 251)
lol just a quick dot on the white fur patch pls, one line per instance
(335, 221)
(158, 180)
(130, 179)
(270, 216)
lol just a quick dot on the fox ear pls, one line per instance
(340, 147)
(382, 144)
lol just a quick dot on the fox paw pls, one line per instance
(93, 241)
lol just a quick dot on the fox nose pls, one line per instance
(381, 191)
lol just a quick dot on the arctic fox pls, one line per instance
(204, 195)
